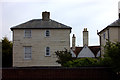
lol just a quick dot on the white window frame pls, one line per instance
(30, 54)
(29, 34)
(47, 33)
(47, 52)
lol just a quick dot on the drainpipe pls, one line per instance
(99, 42)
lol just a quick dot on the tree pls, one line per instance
(6, 52)
(63, 57)
(112, 53)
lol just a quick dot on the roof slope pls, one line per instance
(77, 50)
(94, 49)
(41, 24)
(114, 24)
(86, 52)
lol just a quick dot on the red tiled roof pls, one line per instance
(94, 49)
(77, 50)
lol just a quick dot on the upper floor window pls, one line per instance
(27, 52)
(47, 51)
(104, 35)
(27, 33)
(47, 33)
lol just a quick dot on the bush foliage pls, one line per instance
(112, 55)
(66, 60)
(82, 62)
(63, 57)
(111, 58)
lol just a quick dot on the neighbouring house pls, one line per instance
(35, 42)
(110, 33)
(85, 51)
(0, 54)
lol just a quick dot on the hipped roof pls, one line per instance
(41, 24)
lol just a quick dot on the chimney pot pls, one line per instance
(45, 16)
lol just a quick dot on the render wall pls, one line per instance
(58, 40)
(119, 34)
(113, 36)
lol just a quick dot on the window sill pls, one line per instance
(27, 58)
(47, 36)
(47, 55)
(27, 37)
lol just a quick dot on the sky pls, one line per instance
(78, 14)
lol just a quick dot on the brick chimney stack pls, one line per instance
(45, 16)
(73, 42)
(85, 37)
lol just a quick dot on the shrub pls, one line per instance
(112, 53)
(63, 57)
(82, 62)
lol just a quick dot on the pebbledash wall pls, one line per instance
(58, 40)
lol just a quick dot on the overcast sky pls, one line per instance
(79, 14)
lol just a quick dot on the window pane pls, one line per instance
(27, 52)
(47, 33)
(47, 51)
(27, 33)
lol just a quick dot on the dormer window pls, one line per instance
(47, 33)
(27, 33)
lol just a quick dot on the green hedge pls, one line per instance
(82, 62)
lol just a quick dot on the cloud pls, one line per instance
(93, 14)
(24, 0)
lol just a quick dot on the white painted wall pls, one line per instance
(85, 52)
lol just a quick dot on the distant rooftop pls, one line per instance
(94, 49)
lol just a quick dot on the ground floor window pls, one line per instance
(27, 52)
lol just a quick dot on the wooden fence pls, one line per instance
(58, 73)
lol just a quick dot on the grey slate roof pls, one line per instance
(114, 24)
(41, 24)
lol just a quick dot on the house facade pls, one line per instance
(110, 33)
(35, 42)
(0, 55)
